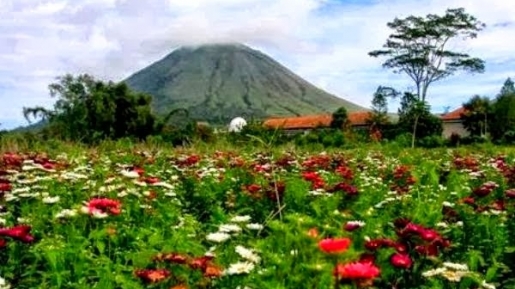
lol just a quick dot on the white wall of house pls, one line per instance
(450, 127)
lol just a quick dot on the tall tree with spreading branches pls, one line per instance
(418, 47)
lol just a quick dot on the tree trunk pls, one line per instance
(486, 125)
(413, 136)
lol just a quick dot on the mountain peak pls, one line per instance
(219, 81)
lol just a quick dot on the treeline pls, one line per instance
(492, 118)
(89, 111)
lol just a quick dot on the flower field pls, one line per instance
(176, 219)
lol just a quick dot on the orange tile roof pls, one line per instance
(453, 115)
(313, 121)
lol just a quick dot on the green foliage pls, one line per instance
(379, 116)
(416, 118)
(431, 141)
(340, 118)
(89, 110)
(508, 87)
(504, 113)
(323, 138)
(418, 47)
(478, 110)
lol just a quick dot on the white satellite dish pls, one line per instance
(237, 124)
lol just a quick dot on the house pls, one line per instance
(307, 123)
(453, 124)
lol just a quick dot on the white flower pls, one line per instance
(448, 204)
(4, 284)
(130, 174)
(51, 200)
(218, 237)
(247, 254)
(454, 276)
(239, 268)
(66, 213)
(23, 220)
(442, 225)
(241, 219)
(356, 223)
(99, 215)
(456, 266)
(254, 226)
(433, 272)
(229, 228)
(486, 285)
(164, 185)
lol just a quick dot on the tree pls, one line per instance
(90, 110)
(476, 115)
(503, 111)
(340, 118)
(508, 87)
(415, 117)
(379, 115)
(418, 47)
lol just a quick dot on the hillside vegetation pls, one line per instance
(219, 82)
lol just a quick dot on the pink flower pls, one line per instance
(357, 271)
(20, 233)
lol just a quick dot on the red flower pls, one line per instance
(151, 180)
(428, 250)
(138, 170)
(485, 189)
(334, 245)
(12, 159)
(5, 187)
(399, 247)
(152, 275)
(510, 193)
(345, 172)
(104, 206)
(310, 176)
(429, 235)
(351, 226)
(344, 187)
(200, 262)
(172, 258)
(212, 271)
(3, 243)
(253, 188)
(375, 244)
(313, 232)
(20, 233)
(367, 258)
(357, 271)
(401, 260)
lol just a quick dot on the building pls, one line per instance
(310, 122)
(453, 124)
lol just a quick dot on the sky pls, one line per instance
(324, 41)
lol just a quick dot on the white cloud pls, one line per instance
(324, 41)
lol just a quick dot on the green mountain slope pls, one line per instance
(220, 81)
